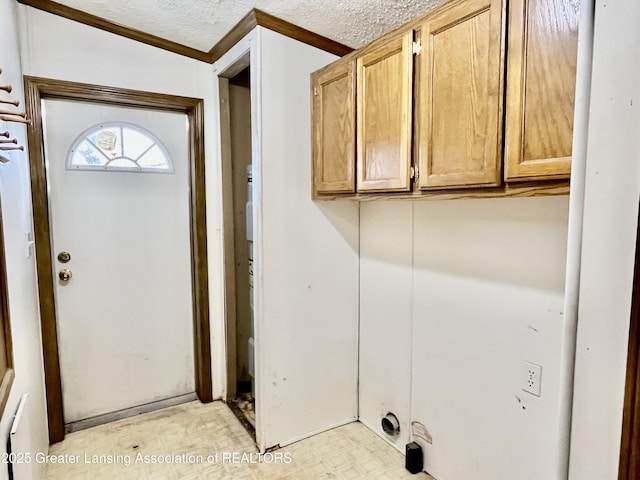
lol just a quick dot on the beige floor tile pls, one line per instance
(191, 434)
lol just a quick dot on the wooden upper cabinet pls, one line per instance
(485, 97)
(459, 88)
(541, 69)
(334, 128)
(384, 78)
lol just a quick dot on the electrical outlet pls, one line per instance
(531, 378)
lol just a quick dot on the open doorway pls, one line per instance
(235, 108)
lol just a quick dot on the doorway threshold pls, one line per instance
(243, 407)
(128, 412)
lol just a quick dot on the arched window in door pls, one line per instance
(119, 146)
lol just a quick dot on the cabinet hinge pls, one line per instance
(315, 91)
(417, 47)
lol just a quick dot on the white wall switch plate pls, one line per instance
(30, 247)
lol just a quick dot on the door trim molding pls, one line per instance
(629, 465)
(38, 89)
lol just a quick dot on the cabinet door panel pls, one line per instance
(333, 120)
(543, 49)
(459, 90)
(384, 78)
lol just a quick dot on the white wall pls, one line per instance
(455, 296)
(307, 261)
(305, 254)
(58, 48)
(23, 304)
(386, 307)
(612, 193)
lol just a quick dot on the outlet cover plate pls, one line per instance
(531, 378)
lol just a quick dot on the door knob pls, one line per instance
(65, 275)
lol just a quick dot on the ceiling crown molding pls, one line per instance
(102, 24)
(259, 18)
(254, 18)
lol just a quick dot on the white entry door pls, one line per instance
(119, 207)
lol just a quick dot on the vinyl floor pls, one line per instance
(195, 441)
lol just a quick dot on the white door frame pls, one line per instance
(37, 89)
(242, 54)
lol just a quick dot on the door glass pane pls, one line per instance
(118, 146)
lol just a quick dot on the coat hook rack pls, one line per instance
(17, 120)
(15, 103)
(9, 112)
(8, 144)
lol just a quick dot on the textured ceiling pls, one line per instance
(202, 23)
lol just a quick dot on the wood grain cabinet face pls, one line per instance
(541, 77)
(384, 79)
(460, 112)
(459, 90)
(333, 120)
